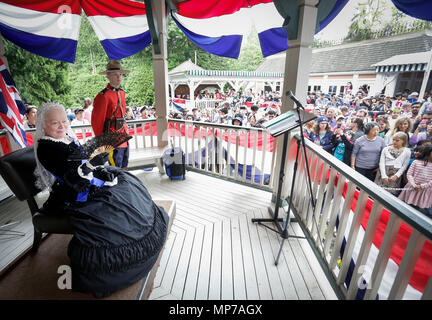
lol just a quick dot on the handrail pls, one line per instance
(357, 227)
(260, 162)
(216, 125)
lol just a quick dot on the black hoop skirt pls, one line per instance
(118, 230)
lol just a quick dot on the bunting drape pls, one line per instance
(420, 9)
(51, 28)
(218, 26)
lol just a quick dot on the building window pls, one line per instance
(332, 89)
(342, 89)
(309, 89)
(317, 88)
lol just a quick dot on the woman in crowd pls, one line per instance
(129, 114)
(384, 126)
(143, 112)
(402, 124)
(322, 134)
(308, 128)
(331, 115)
(394, 161)
(118, 229)
(88, 108)
(343, 146)
(30, 117)
(418, 190)
(422, 132)
(367, 151)
(251, 120)
(357, 127)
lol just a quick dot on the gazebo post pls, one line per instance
(160, 71)
(299, 55)
(426, 77)
(297, 67)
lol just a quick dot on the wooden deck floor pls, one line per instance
(214, 251)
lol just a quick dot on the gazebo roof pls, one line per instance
(185, 66)
(416, 57)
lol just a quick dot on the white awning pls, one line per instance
(404, 62)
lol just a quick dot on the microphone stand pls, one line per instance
(283, 231)
(301, 144)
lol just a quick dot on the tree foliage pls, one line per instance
(139, 84)
(38, 79)
(250, 55)
(365, 21)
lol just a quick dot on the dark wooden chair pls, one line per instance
(17, 169)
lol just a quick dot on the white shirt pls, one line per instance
(400, 163)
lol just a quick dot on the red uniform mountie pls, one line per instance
(104, 105)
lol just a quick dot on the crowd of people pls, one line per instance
(386, 139)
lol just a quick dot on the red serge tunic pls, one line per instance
(104, 105)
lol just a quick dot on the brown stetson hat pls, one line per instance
(114, 65)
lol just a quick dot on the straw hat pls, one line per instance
(114, 65)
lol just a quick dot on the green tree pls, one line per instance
(250, 55)
(365, 21)
(139, 85)
(85, 85)
(38, 79)
(90, 55)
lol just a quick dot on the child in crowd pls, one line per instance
(418, 190)
(394, 160)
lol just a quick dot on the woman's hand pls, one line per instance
(393, 178)
(385, 180)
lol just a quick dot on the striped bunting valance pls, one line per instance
(226, 73)
(402, 68)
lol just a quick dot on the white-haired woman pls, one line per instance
(118, 229)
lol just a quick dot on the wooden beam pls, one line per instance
(297, 67)
(153, 26)
(160, 70)
(425, 78)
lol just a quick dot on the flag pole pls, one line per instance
(11, 143)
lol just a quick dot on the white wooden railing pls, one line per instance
(245, 155)
(367, 232)
(207, 104)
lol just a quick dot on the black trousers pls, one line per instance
(121, 157)
(368, 173)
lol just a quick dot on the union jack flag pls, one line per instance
(11, 107)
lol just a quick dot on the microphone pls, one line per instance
(293, 98)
